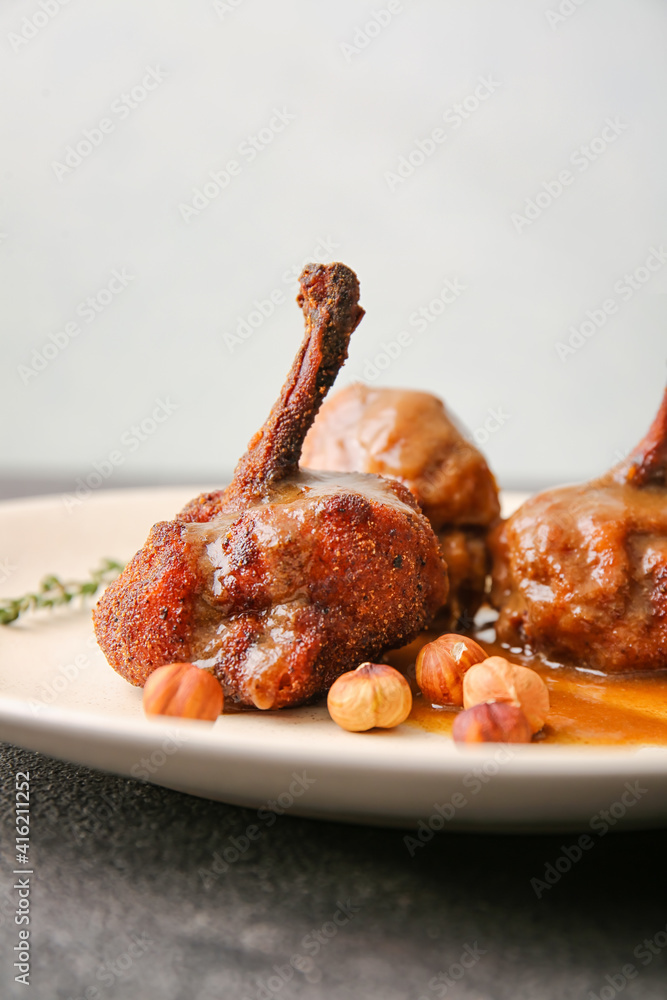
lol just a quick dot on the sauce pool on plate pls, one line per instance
(586, 708)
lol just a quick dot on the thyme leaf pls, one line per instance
(53, 591)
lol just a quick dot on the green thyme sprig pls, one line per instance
(53, 591)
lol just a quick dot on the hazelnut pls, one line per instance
(496, 679)
(495, 722)
(183, 690)
(372, 695)
(441, 665)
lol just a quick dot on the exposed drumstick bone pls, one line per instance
(329, 298)
(647, 463)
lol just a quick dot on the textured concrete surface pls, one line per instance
(132, 897)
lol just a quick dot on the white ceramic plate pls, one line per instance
(59, 696)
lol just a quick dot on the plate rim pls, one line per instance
(72, 733)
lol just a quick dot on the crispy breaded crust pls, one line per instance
(580, 572)
(281, 582)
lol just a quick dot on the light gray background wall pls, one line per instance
(556, 72)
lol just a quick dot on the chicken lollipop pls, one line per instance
(287, 578)
(580, 572)
(410, 436)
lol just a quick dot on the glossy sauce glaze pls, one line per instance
(277, 522)
(410, 436)
(580, 572)
(206, 538)
(586, 708)
(289, 586)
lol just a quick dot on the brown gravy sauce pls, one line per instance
(391, 432)
(279, 525)
(206, 538)
(586, 708)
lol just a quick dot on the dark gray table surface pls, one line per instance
(126, 901)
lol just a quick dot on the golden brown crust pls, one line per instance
(284, 580)
(144, 618)
(580, 572)
(410, 436)
(369, 582)
(407, 435)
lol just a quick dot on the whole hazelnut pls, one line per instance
(441, 665)
(495, 722)
(496, 679)
(183, 690)
(373, 695)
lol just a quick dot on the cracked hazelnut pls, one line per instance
(496, 679)
(495, 722)
(373, 695)
(441, 666)
(183, 690)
